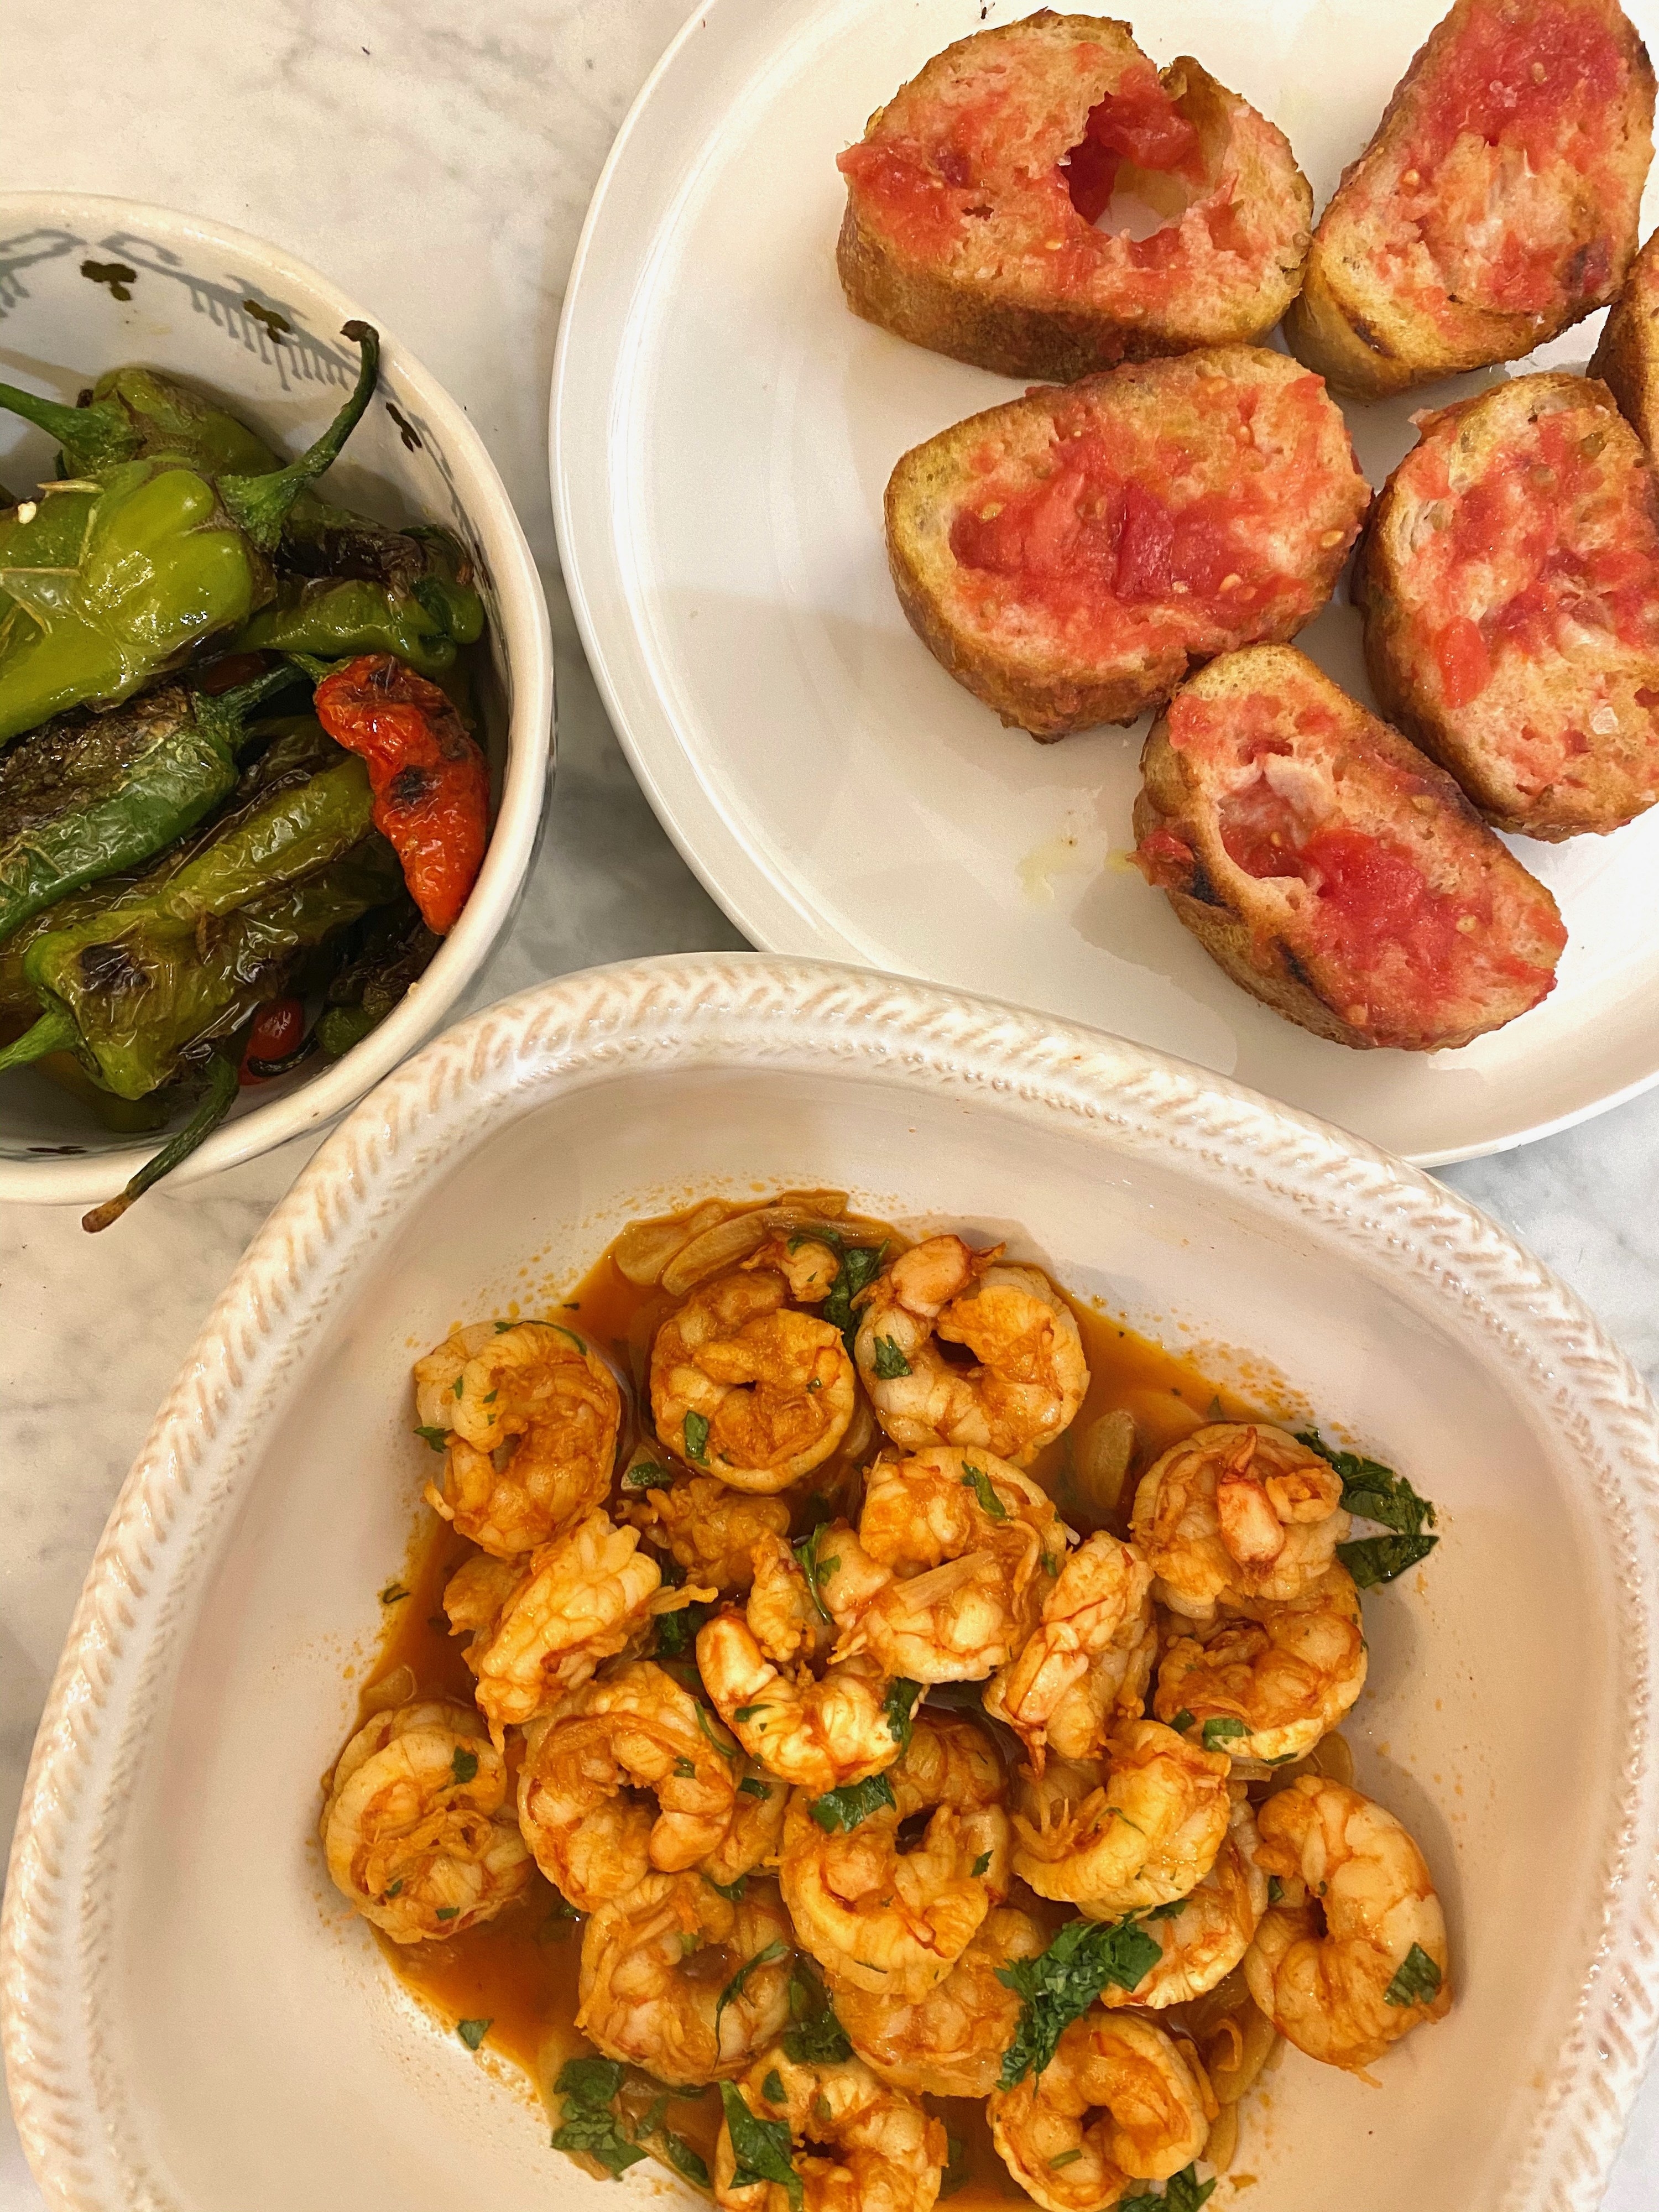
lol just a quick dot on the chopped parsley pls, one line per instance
(859, 1265)
(772, 2087)
(396, 1889)
(817, 2037)
(588, 2087)
(1182, 2192)
(449, 1913)
(976, 1479)
(955, 2166)
(1374, 1559)
(1416, 1982)
(685, 2161)
(731, 1890)
(1060, 1985)
(649, 1474)
(463, 1766)
(1275, 1890)
(1223, 1728)
(748, 1712)
(979, 1864)
(473, 2032)
(813, 1567)
(1183, 1720)
(900, 1705)
(570, 1332)
(685, 1771)
(695, 1428)
(725, 1750)
(460, 1384)
(891, 1362)
(752, 1788)
(762, 2148)
(1372, 1492)
(777, 1949)
(433, 1439)
(677, 1631)
(844, 1809)
(1065, 2158)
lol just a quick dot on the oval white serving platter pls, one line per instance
(193, 2018)
(722, 431)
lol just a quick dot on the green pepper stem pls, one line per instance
(94, 437)
(53, 1032)
(219, 1098)
(224, 715)
(260, 504)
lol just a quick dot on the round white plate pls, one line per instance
(723, 431)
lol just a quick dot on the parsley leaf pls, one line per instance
(685, 1771)
(731, 1891)
(588, 2087)
(859, 1265)
(844, 1809)
(449, 1913)
(1223, 1728)
(695, 1428)
(1375, 1492)
(433, 1439)
(1416, 1982)
(649, 1474)
(777, 1949)
(463, 1766)
(772, 2087)
(817, 2039)
(899, 1705)
(1065, 2158)
(1374, 1559)
(685, 2161)
(979, 1864)
(1183, 1720)
(1059, 1986)
(955, 2166)
(891, 1362)
(473, 2032)
(1182, 2192)
(813, 1567)
(762, 2148)
(976, 1479)
(1275, 1890)
(751, 1787)
(725, 1750)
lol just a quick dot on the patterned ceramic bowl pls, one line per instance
(87, 282)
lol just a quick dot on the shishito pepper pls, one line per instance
(396, 951)
(364, 588)
(112, 578)
(89, 795)
(134, 413)
(431, 782)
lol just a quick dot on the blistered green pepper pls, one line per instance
(420, 605)
(397, 949)
(89, 795)
(116, 576)
(133, 414)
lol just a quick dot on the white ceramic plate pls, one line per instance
(722, 432)
(88, 282)
(193, 2021)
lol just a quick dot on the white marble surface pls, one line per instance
(435, 161)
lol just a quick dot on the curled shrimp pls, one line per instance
(949, 2042)
(1355, 1956)
(895, 1922)
(1028, 1377)
(965, 1541)
(583, 1806)
(416, 1829)
(1141, 1834)
(785, 1617)
(1151, 2103)
(1287, 1672)
(818, 1734)
(1087, 1661)
(747, 1387)
(1237, 1511)
(887, 2153)
(709, 1529)
(1203, 1936)
(684, 1982)
(578, 1600)
(532, 1413)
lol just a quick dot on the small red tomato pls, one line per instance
(279, 1026)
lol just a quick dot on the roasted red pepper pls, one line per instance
(430, 781)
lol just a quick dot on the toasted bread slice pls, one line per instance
(1330, 868)
(1627, 357)
(1496, 205)
(1070, 555)
(1510, 584)
(971, 203)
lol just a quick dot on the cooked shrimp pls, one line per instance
(744, 1386)
(966, 1539)
(818, 1734)
(786, 1620)
(532, 1413)
(634, 1730)
(807, 1264)
(1287, 1672)
(1356, 1955)
(1029, 1374)
(711, 1530)
(1089, 1658)
(580, 1599)
(949, 2042)
(1204, 1936)
(879, 1918)
(414, 1826)
(1142, 1834)
(1237, 1511)
(684, 1982)
(756, 1825)
(890, 2154)
(1153, 2103)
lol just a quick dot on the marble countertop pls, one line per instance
(436, 163)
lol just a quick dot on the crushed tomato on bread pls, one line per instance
(1070, 555)
(1333, 870)
(1511, 581)
(974, 197)
(1496, 205)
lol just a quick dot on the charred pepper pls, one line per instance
(131, 414)
(114, 577)
(397, 950)
(89, 795)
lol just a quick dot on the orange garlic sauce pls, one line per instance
(519, 1972)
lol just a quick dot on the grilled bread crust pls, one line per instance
(1059, 624)
(1404, 280)
(1627, 357)
(1266, 725)
(1509, 579)
(961, 235)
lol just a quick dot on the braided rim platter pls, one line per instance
(1338, 1202)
